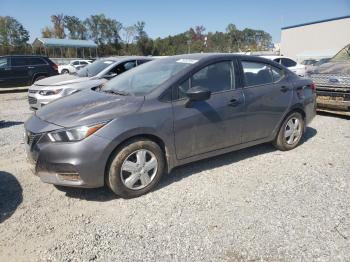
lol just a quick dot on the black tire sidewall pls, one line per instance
(65, 71)
(281, 142)
(113, 178)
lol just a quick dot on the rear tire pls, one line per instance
(65, 71)
(290, 133)
(136, 168)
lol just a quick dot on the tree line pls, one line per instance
(113, 38)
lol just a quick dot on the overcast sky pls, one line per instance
(164, 17)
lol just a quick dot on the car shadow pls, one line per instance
(10, 195)
(187, 170)
(5, 124)
(323, 113)
(104, 194)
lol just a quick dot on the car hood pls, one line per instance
(59, 80)
(342, 68)
(88, 107)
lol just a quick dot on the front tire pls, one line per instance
(290, 133)
(65, 71)
(136, 168)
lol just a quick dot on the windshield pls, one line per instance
(145, 78)
(343, 55)
(94, 68)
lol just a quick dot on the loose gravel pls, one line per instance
(256, 204)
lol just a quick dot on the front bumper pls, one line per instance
(75, 164)
(36, 101)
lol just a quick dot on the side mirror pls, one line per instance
(198, 93)
(110, 76)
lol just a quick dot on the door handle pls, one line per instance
(284, 89)
(30, 67)
(7, 69)
(234, 102)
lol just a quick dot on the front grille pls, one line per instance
(32, 100)
(32, 91)
(331, 80)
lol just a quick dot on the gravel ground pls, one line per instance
(254, 204)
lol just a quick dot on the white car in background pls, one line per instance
(292, 65)
(73, 66)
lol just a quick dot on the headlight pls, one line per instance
(49, 92)
(74, 134)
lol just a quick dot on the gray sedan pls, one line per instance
(167, 113)
(49, 89)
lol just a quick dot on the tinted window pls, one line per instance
(183, 87)
(215, 77)
(256, 73)
(288, 62)
(83, 63)
(75, 63)
(277, 74)
(4, 62)
(36, 61)
(121, 68)
(19, 61)
(140, 62)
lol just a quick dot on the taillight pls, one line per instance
(54, 67)
(313, 87)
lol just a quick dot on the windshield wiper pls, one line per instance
(116, 92)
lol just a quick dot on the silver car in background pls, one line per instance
(49, 89)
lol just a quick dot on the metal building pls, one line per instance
(319, 39)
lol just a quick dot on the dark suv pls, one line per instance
(22, 70)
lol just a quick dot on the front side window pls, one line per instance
(256, 73)
(216, 77)
(4, 62)
(288, 62)
(75, 63)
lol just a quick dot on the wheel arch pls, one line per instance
(36, 75)
(154, 138)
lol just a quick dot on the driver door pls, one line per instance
(212, 124)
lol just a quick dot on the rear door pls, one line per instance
(212, 124)
(36, 66)
(268, 95)
(19, 70)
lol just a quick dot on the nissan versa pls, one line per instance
(167, 113)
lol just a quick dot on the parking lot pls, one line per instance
(250, 205)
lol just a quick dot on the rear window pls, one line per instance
(288, 62)
(95, 68)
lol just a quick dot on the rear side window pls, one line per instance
(140, 62)
(288, 62)
(256, 73)
(36, 61)
(83, 63)
(4, 62)
(19, 61)
(277, 74)
(75, 63)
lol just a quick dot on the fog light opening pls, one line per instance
(71, 176)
